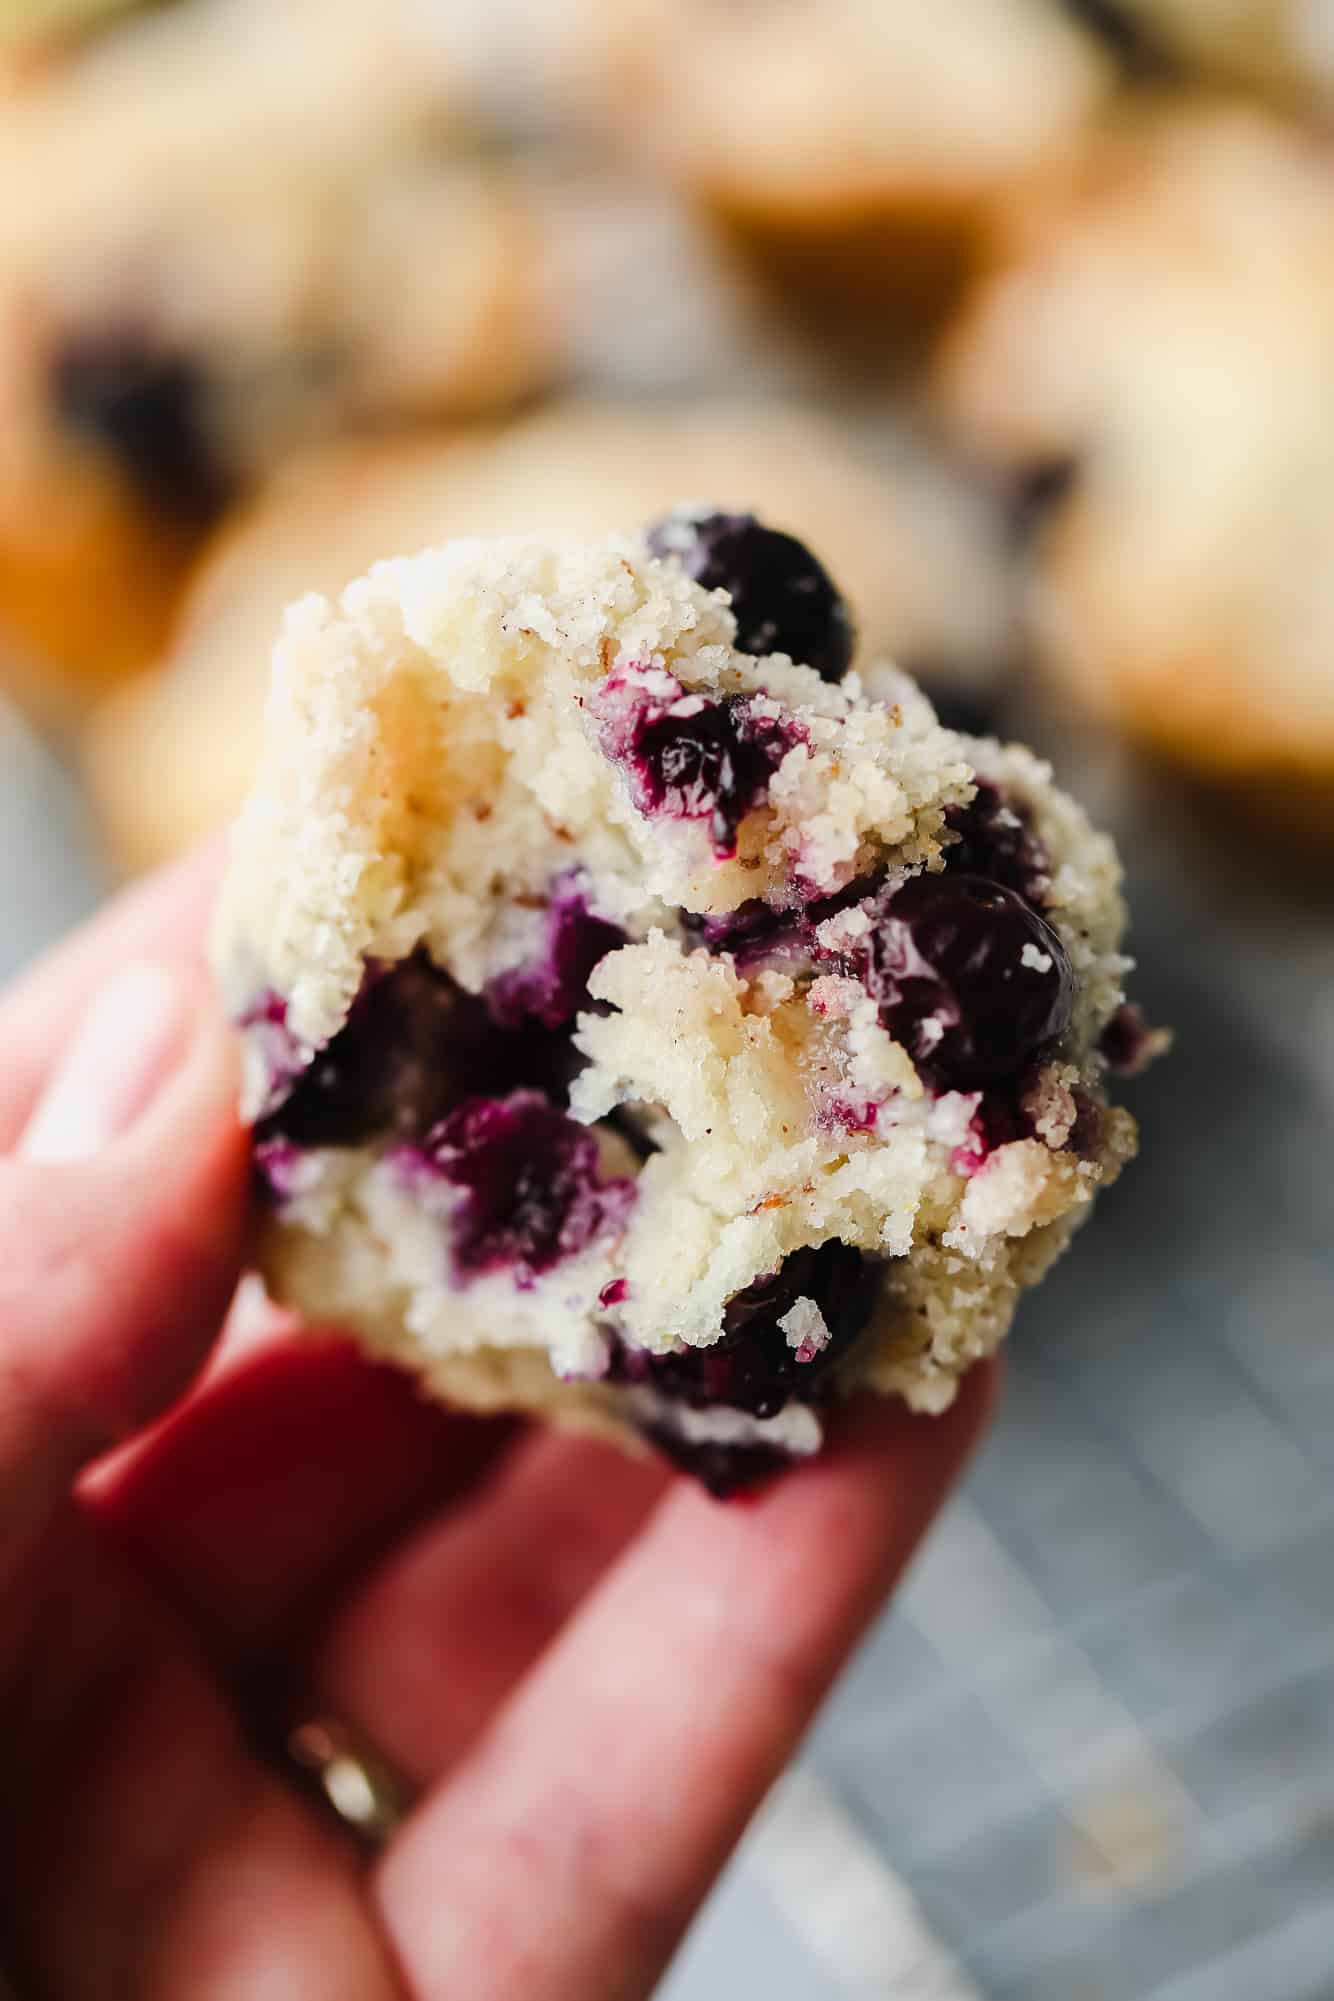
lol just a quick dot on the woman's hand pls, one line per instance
(586, 1672)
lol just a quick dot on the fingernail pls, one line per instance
(126, 1047)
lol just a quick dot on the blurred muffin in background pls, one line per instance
(1153, 360)
(1284, 47)
(855, 147)
(35, 31)
(226, 228)
(920, 552)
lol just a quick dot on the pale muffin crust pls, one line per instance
(445, 744)
(921, 549)
(1282, 47)
(1159, 331)
(823, 108)
(244, 226)
(852, 150)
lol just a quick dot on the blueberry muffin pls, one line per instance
(922, 551)
(854, 147)
(33, 31)
(645, 1026)
(254, 227)
(1153, 360)
(1281, 47)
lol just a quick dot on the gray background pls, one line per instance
(1087, 1755)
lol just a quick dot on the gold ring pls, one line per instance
(353, 1780)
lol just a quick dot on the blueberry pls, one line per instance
(533, 1190)
(148, 407)
(781, 936)
(623, 1122)
(411, 1039)
(689, 757)
(751, 1366)
(268, 1037)
(1086, 1134)
(723, 1469)
(1037, 493)
(1128, 1045)
(552, 987)
(968, 977)
(415, 1042)
(995, 839)
(753, 931)
(783, 599)
(1125, 36)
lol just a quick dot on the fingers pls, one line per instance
(165, 918)
(126, 1043)
(279, 1483)
(121, 1225)
(144, 1849)
(421, 1659)
(568, 1852)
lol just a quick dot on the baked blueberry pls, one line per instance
(411, 1038)
(968, 977)
(1127, 1044)
(721, 1468)
(783, 598)
(147, 406)
(415, 1043)
(994, 838)
(688, 757)
(1129, 40)
(753, 931)
(754, 1366)
(533, 1193)
(1037, 493)
(550, 988)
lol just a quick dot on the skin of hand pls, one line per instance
(587, 1672)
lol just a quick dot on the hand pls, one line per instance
(586, 1671)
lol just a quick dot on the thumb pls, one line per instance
(122, 1219)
